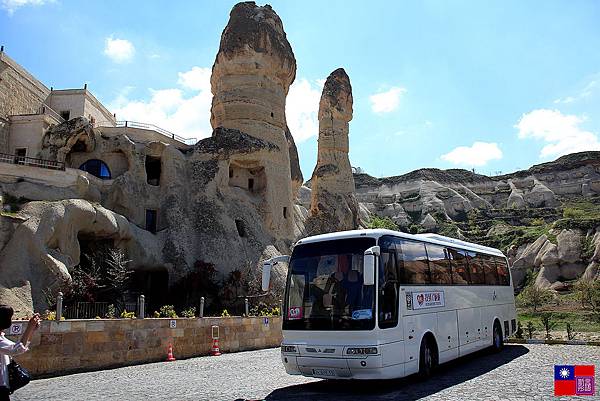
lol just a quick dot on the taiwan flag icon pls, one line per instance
(574, 380)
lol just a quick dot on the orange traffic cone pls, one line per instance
(170, 356)
(215, 348)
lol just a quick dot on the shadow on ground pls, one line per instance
(409, 388)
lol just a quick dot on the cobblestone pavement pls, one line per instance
(520, 372)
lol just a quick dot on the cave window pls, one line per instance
(250, 184)
(96, 168)
(79, 146)
(153, 170)
(239, 224)
(285, 212)
(151, 220)
(230, 172)
(66, 115)
(272, 115)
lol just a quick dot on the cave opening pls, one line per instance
(153, 170)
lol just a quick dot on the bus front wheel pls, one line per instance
(498, 340)
(428, 359)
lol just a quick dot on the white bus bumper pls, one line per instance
(367, 367)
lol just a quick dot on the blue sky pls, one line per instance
(493, 86)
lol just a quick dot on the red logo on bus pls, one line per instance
(295, 313)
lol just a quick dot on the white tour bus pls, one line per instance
(377, 304)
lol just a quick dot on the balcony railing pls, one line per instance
(45, 109)
(30, 161)
(152, 127)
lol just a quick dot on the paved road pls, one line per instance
(520, 372)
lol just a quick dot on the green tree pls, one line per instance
(382, 222)
(117, 273)
(534, 297)
(548, 324)
(583, 291)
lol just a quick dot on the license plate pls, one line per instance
(324, 372)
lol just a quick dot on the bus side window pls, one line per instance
(416, 267)
(460, 272)
(502, 267)
(439, 265)
(475, 268)
(388, 283)
(489, 269)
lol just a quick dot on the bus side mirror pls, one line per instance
(369, 265)
(266, 276)
(267, 265)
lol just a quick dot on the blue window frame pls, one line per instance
(97, 168)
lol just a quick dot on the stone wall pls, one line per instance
(20, 92)
(82, 345)
(4, 130)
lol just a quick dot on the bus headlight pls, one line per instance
(362, 351)
(289, 349)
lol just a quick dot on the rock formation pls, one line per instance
(333, 204)
(451, 194)
(45, 247)
(504, 210)
(253, 71)
(225, 202)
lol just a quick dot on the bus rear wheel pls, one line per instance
(498, 340)
(428, 359)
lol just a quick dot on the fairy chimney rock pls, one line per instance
(333, 203)
(251, 76)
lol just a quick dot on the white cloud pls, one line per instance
(478, 154)
(388, 101)
(561, 132)
(197, 78)
(12, 5)
(184, 111)
(119, 50)
(302, 108)
(587, 91)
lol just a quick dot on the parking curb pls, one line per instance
(551, 342)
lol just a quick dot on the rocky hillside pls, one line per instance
(546, 218)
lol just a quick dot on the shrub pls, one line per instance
(570, 333)
(264, 310)
(533, 296)
(127, 315)
(537, 222)
(111, 312)
(530, 329)
(519, 332)
(548, 324)
(382, 222)
(189, 312)
(573, 213)
(52, 316)
(167, 311)
(225, 313)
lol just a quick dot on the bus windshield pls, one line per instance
(325, 288)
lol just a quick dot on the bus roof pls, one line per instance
(428, 237)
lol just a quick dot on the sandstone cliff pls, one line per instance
(251, 76)
(546, 217)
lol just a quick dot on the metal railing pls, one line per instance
(45, 109)
(91, 310)
(31, 161)
(152, 127)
